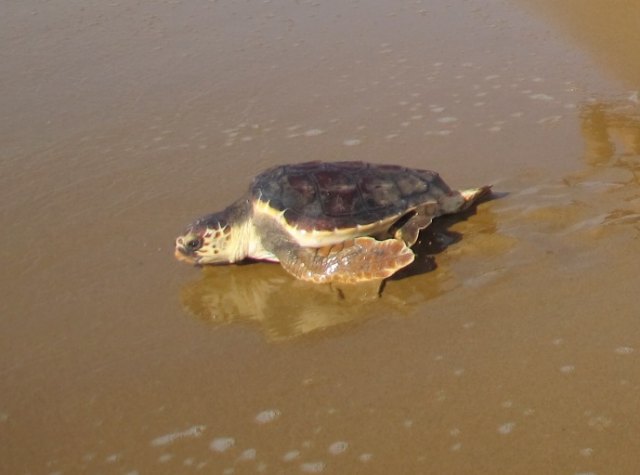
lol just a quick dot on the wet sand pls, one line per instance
(511, 346)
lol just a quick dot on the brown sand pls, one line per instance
(513, 349)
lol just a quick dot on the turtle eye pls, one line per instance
(194, 244)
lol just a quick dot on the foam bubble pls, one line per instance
(541, 97)
(249, 454)
(222, 444)
(456, 447)
(624, 350)
(195, 431)
(338, 447)
(291, 455)
(113, 458)
(267, 416)
(507, 428)
(313, 132)
(552, 119)
(312, 467)
(600, 422)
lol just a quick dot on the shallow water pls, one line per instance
(511, 346)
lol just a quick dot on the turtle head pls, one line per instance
(209, 240)
(217, 238)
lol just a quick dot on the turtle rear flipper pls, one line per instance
(461, 200)
(354, 260)
(422, 217)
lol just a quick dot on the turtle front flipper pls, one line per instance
(354, 260)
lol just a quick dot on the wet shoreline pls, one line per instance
(512, 347)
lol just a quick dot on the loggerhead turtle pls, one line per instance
(327, 221)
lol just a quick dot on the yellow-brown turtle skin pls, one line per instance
(327, 221)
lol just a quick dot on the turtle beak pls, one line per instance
(183, 254)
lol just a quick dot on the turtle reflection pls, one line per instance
(282, 307)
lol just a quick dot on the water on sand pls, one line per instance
(511, 347)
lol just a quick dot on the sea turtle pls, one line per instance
(327, 221)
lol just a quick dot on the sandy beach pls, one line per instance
(512, 344)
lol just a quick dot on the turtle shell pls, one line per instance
(328, 196)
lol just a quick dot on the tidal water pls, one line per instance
(511, 346)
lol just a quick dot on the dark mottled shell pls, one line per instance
(338, 195)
